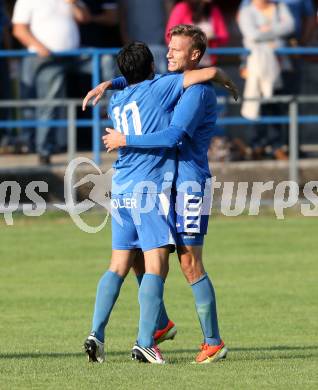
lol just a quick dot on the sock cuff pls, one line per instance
(116, 275)
(139, 278)
(199, 280)
(154, 276)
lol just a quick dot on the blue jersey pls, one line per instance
(196, 113)
(191, 128)
(144, 108)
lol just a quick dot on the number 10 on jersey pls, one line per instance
(122, 120)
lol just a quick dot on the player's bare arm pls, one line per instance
(22, 33)
(96, 93)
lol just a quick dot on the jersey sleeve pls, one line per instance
(22, 12)
(167, 90)
(119, 83)
(168, 138)
(190, 110)
(188, 113)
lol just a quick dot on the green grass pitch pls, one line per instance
(265, 275)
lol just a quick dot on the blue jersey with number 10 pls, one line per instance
(144, 108)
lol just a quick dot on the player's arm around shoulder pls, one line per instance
(96, 93)
(210, 74)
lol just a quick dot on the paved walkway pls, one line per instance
(31, 161)
(227, 171)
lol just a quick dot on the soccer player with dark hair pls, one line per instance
(143, 107)
(191, 128)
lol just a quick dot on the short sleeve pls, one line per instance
(190, 111)
(167, 89)
(22, 12)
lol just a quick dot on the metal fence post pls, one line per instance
(71, 131)
(293, 142)
(96, 110)
(71, 146)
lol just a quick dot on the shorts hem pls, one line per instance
(183, 240)
(157, 246)
(183, 244)
(124, 247)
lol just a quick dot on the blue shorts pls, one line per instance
(144, 221)
(187, 239)
(192, 218)
(192, 213)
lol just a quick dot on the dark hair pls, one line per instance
(199, 39)
(135, 61)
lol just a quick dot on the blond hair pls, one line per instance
(199, 39)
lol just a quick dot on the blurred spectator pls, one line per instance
(304, 17)
(45, 27)
(145, 21)
(205, 15)
(101, 29)
(4, 79)
(265, 26)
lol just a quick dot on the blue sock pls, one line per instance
(150, 301)
(139, 279)
(107, 293)
(163, 319)
(205, 303)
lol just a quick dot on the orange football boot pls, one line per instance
(166, 333)
(211, 353)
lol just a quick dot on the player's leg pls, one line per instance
(193, 209)
(190, 257)
(124, 244)
(166, 329)
(108, 290)
(139, 266)
(150, 300)
(155, 228)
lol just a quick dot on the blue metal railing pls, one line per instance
(96, 122)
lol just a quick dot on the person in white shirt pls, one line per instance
(45, 27)
(265, 26)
